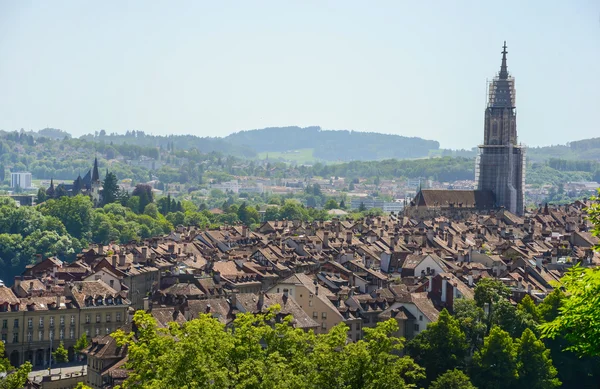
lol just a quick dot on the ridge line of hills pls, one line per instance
(313, 144)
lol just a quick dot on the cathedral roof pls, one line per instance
(480, 199)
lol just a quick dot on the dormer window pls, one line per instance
(89, 301)
(99, 300)
(109, 301)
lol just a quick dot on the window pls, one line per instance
(61, 334)
(324, 315)
(315, 315)
(87, 318)
(97, 331)
(4, 338)
(16, 323)
(310, 303)
(119, 316)
(40, 335)
(108, 317)
(4, 324)
(62, 320)
(416, 327)
(16, 337)
(30, 323)
(112, 283)
(87, 332)
(29, 336)
(420, 317)
(107, 330)
(324, 326)
(72, 319)
(51, 334)
(277, 290)
(41, 322)
(357, 326)
(97, 318)
(51, 321)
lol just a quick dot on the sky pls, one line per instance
(210, 68)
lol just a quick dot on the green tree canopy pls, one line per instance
(534, 366)
(452, 379)
(495, 366)
(441, 347)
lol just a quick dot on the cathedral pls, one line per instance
(501, 162)
(500, 165)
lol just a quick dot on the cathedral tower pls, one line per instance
(501, 161)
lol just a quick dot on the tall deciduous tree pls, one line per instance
(441, 347)
(534, 366)
(495, 366)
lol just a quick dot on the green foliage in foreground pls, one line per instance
(264, 351)
(12, 378)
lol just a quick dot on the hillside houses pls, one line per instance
(324, 273)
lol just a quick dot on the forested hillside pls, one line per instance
(334, 145)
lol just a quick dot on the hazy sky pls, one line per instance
(414, 68)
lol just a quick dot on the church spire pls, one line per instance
(95, 174)
(503, 68)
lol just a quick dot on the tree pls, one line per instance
(580, 312)
(331, 204)
(60, 355)
(10, 377)
(144, 192)
(490, 291)
(511, 319)
(442, 346)
(527, 306)
(82, 343)
(110, 189)
(362, 207)
(263, 351)
(471, 320)
(548, 309)
(452, 379)
(81, 385)
(534, 366)
(342, 204)
(495, 366)
(41, 196)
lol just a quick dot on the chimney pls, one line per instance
(261, 300)
(349, 237)
(207, 308)
(450, 240)
(233, 300)
(244, 231)
(539, 263)
(100, 249)
(30, 286)
(444, 286)
(147, 304)
(144, 253)
(381, 232)
(326, 239)
(285, 296)
(217, 277)
(171, 248)
(520, 283)
(528, 288)
(114, 261)
(38, 258)
(122, 259)
(470, 279)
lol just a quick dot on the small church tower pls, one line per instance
(501, 161)
(96, 184)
